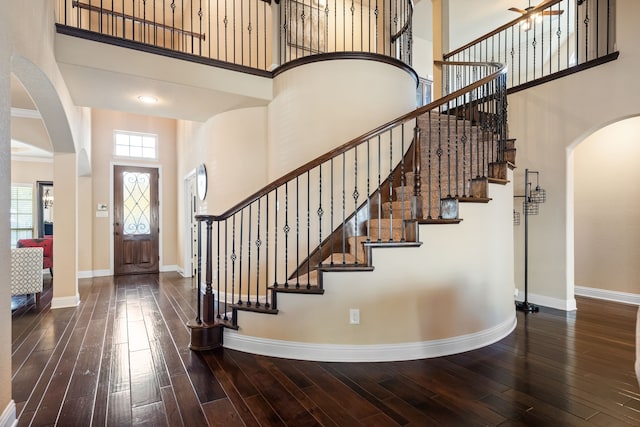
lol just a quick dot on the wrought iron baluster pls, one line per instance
(233, 259)
(402, 182)
(258, 245)
(241, 255)
(266, 250)
(308, 229)
(320, 213)
(218, 271)
(344, 206)
(199, 274)
(391, 185)
(226, 270)
(331, 205)
(286, 230)
(429, 166)
(275, 240)
(379, 190)
(355, 196)
(368, 190)
(297, 232)
(249, 245)
(448, 150)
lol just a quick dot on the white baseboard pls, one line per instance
(8, 416)
(93, 273)
(166, 268)
(65, 302)
(623, 297)
(367, 353)
(557, 303)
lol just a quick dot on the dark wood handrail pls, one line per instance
(500, 69)
(98, 9)
(406, 25)
(541, 6)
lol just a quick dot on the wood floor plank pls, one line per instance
(174, 418)
(121, 358)
(222, 413)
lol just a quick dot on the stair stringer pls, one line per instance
(452, 294)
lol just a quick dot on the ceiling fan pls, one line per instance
(529, 8)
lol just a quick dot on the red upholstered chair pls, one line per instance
(47, 246)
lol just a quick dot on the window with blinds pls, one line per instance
(21, 212)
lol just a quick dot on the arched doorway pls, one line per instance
(606, 204)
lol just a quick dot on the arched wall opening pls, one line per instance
(65, 176)
(605, 206)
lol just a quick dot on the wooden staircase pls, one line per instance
(397, 226)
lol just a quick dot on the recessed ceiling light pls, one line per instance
(147, 99)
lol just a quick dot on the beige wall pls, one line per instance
(607, 207)
(548, 122)
(28, 172)
(6, 404)
(232, 146)
(104, 123)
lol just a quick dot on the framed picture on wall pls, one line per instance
(307, 27)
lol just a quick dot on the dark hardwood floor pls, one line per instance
(121, 358)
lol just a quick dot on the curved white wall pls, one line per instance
(452, 294)
(319, 106)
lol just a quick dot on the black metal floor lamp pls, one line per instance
(531, 206)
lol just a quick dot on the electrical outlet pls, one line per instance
(354, 316)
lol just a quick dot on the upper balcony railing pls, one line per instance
(323, 26)
(545, 42)
(251, 33)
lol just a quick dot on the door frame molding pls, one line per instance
(186, 240)
(151, 165)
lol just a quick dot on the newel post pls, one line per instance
(206, 334)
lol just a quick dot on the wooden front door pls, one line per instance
(136, 225)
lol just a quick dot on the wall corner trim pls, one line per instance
(8, 416)
(65, 302)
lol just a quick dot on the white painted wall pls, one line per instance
(322, 105)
